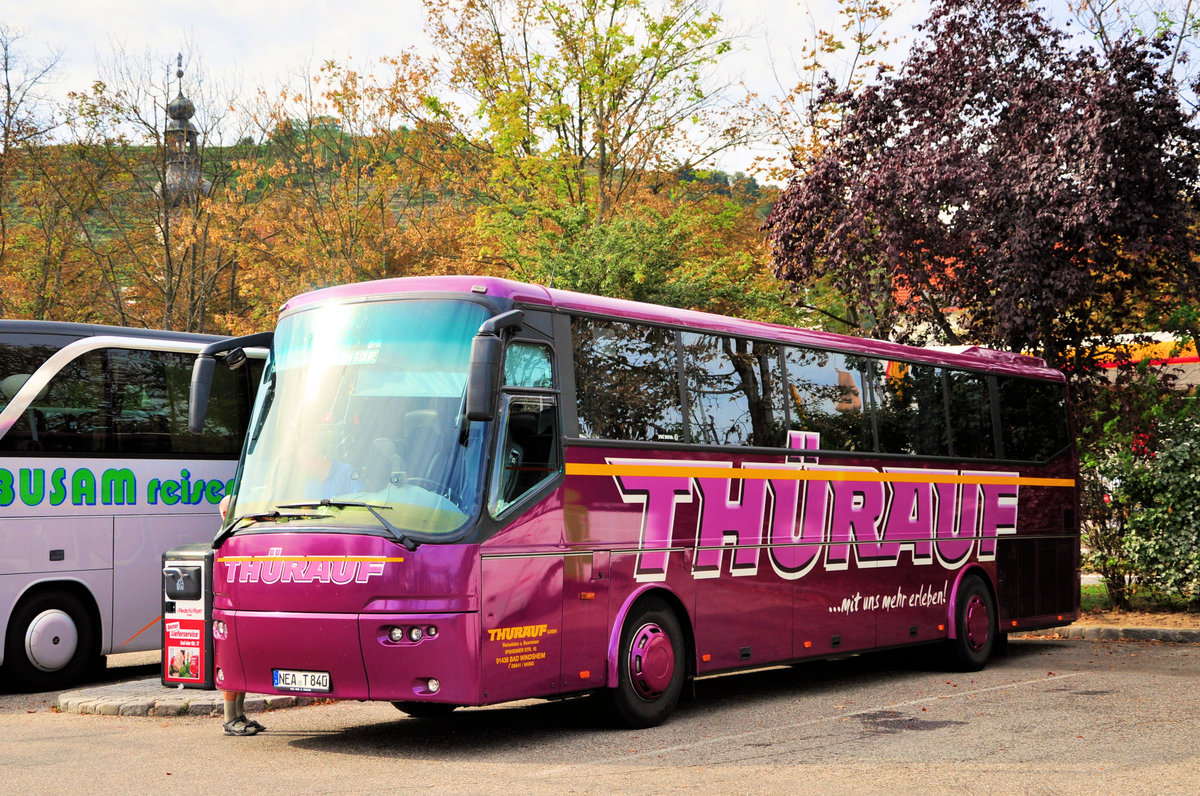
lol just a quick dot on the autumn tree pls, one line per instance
(1001, 189)
(152, 258)
(598, 96)
(350, 181)
(48, 272)
(586, 112)
(834, 60)
(25, 120)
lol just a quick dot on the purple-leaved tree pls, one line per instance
(1003, 188)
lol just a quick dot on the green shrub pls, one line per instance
(1162, 539)
(1139, 448)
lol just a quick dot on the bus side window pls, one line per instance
(735, 391)
(626, 381)
(18, 360)
(528, 453)
(71, 415)
(139, 401)
(911, 409)
(149, 405)
(1033, 417)
(970, 415)
(827, 396)
(528, 365)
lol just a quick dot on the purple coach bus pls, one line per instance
(465, 490)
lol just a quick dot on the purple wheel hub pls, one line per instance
(651, 661)
(978, 624)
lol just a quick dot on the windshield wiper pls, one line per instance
(266, 515)
(398, 535)
(268, 400)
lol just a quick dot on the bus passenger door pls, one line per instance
(522, 623)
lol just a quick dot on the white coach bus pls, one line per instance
(99, 475)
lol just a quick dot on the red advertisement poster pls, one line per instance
(185, 650)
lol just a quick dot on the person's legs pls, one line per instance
(231, 706)
(241, 711)
(236, 722)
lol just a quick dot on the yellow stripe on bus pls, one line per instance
(788, 474)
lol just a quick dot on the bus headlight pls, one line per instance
(433, 685)
(396, 634)
(415, 634)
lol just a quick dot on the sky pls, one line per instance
(251, 43)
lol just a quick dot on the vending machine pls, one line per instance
(187, 644)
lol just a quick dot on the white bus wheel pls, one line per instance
(50, 642)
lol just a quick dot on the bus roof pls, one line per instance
(95, 330)
(971, 357)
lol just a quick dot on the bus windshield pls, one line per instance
(362, 404)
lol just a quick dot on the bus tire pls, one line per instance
(51, 641)
(650, 666)
(425, 710)
(975, 626)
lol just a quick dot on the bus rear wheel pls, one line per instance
(50, 642)
(650, 667)
(975, 626)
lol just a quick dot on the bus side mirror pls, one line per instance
(206, 365)
(483, 375)
(202, 376)
(236, 358)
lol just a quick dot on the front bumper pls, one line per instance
(356, 650)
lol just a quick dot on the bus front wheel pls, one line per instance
(975, 626)
(50, 642)
(651, 666)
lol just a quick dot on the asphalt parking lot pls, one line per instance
(1053, 716)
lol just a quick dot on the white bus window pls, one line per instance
(71, 415)
(19, 359)
(125, 402)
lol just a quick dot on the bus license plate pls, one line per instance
(291, 680)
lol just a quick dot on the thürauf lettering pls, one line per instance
(864, 523)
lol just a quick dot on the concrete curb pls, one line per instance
(1116, 633)
(150, 697)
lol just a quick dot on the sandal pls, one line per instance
(240, 726)
(251, 723)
